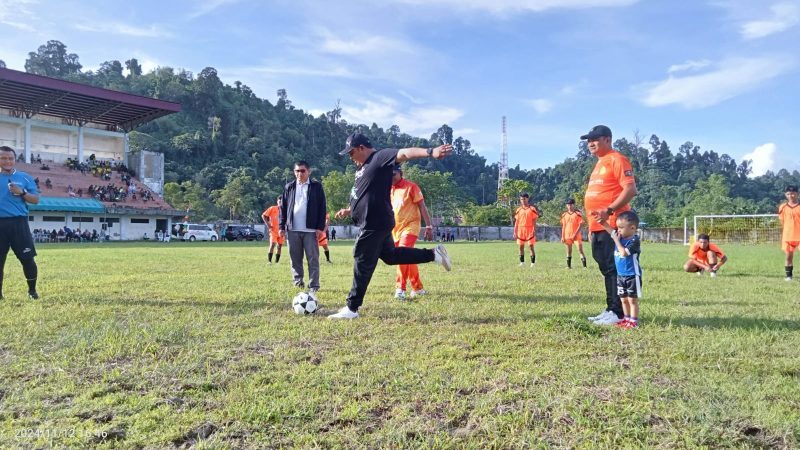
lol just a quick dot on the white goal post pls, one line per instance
(739, 228)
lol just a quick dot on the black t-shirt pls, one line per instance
(370, 205)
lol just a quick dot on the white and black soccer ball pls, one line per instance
(305, 303)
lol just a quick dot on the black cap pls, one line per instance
(355, 140)
(791, 188)
(597, 131)
(570, 201)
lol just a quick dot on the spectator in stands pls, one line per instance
(48, 184)
(37, 182)
(94, 235)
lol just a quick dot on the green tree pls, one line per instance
(442, 196)
(337, 186)
(2, 64)
(509, 193)
(238, 197)
(52, 60)
(484, 215)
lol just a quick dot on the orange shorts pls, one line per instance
(275, 238)
(790, 246)
(323, 241)
(530, 241)
(573, 241)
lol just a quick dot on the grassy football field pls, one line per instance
(178, 345)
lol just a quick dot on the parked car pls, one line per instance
(242, 233)
(198, 232)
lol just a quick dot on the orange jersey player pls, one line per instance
(525, 218)
(323, 240)
(789, 215)
(571, 223)
(408, 205)
(703, 255)
(271, 218)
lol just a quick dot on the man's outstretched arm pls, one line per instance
(407, 154)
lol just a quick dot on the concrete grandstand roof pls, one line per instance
(26, 95)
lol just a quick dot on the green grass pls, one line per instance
(160, 345)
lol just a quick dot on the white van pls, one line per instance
(196, 232)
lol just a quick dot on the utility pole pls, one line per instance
(502, 176)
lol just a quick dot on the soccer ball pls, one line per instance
(304, 303)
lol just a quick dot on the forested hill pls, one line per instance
(229, 153)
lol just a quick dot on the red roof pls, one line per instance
(26, 95)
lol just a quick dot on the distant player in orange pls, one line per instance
(571, 221)
(789, 215)
(271, 218)
(703, 255)
(409, 208)
(323, 240)
(525, 218)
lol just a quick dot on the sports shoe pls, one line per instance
(533, 265)
(300, 285)
(400, 294)
(713, 274)
(623, 323)
(419, 293)
(602, 315)
(441, 257)
(699, 273)
(313, 291)
(344, 313)
(610, 320)
(329, 261)
(521, 264)
(269, 263)
(787, 279)
(33, 295)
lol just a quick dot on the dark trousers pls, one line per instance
(370, 246)
(603, 253)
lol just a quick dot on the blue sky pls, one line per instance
(724, 74)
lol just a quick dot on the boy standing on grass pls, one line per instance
(789, 215)
(629, 272)
(571, 221)
(525, 218)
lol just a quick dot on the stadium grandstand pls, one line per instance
(73, 139)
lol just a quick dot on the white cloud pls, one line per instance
(689, 66)
(16, 14)
(729, 79)
(246, 73)
(510, 6)
(466, 131)
(152, 31)
(784, 16)
(364, 44)
(207, 6)
(541, 105)
(411, 98)
(386, 112)
(762, 159)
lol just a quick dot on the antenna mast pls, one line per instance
(503, 175)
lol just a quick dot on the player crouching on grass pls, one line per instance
(703, 255)
(629, 272)
(789, 215)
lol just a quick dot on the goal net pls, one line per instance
(740, 229)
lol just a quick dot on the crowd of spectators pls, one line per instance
(66, 234)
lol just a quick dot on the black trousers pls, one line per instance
(603, 253)
(370, 246)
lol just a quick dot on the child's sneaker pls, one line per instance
(400, 294)
(623, 324)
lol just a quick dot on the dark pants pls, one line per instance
(370, 246)
(603, 253)
(16, 235)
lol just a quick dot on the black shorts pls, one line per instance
(16, 235)
(629, 286)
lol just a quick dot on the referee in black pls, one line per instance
(17, 189)
(371, 210)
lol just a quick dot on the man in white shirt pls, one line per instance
(302, 220)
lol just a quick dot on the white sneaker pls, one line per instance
(441, 257)
(611, 320)
(533, 264)
(788, 279)
(344, 313)
(419, 293)
(521, 264)
(400, 294)
(713, 274)
(602, 315)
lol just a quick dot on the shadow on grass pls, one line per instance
(239, 306)
(527, 298)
